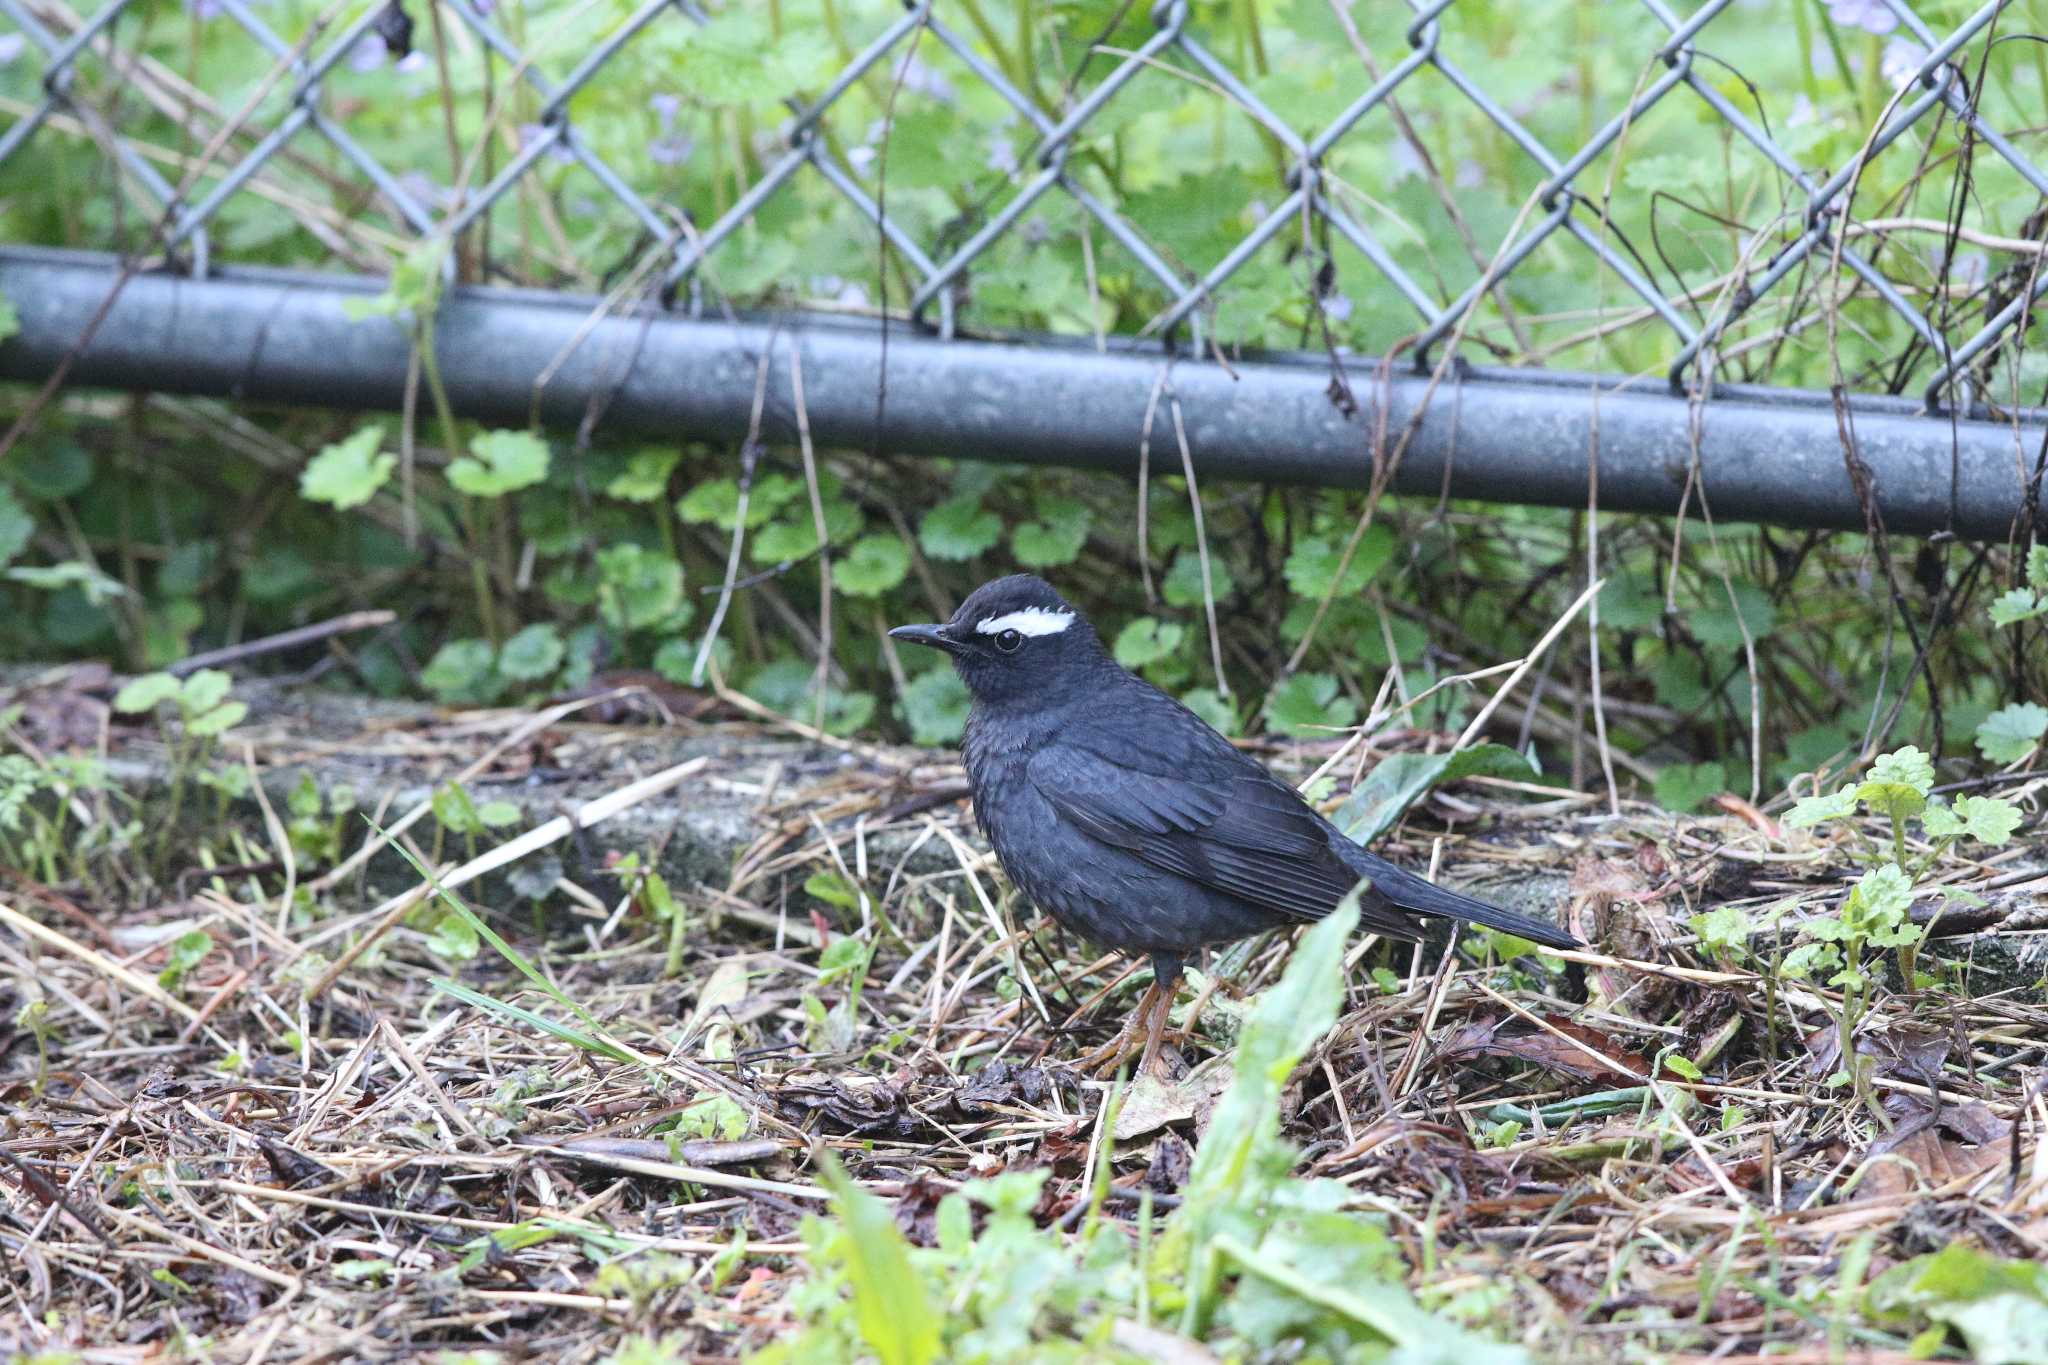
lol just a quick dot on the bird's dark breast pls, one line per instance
(1093, 890)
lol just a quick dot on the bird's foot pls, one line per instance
(1147, 1022)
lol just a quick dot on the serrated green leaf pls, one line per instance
(1906, 766)
(935, 706)
(500, 462)
(1312, 567)
(2017, 605)
(532, 654)
(1055, 537)
(2037, 567)
(2010, 733)
(1309, 705)
(645, 477)
(872, 565)
(462, 671)
(1894, 800)
(1683, 786)
(348, 473)
(959, 528)
(1147, 640)
(1210, 705)
(1182, 586)
(642, 588)
(1987, 819)
(1811, 810)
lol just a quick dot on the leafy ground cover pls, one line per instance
(814, 1106)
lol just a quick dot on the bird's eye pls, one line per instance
(1007, 641)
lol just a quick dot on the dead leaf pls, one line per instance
(1585, 1053)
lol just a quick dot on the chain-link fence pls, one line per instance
(1904, 256)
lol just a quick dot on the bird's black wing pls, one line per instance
(1211, 816)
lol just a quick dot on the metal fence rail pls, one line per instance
(1936, 86)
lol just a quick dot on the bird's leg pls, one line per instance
(1148, 1019)
(1165, 982)
(1107, 1058)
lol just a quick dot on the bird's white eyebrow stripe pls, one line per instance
(1029, 621)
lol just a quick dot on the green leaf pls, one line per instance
(890, 1305)
(217, 721)
(455, 810)
(145, 693)
(500, 462)
(48, 469)
(935, 706)
(1210, 705)
(1400, 780)
(1720, 627)
(645, 477)
(16, 526)
(1683, 786)
(2037, 567)
(1907, 767)
(1312, 567)
(1999, 1307)
(833, 888)
(1307, 705)
(348, 473)
(2010, 733)
(1182, 586)
(1684, 1066)
(1724, 931)
(2017, 605)
(534, 653)
(1147, 641)
(498, 814)
(959, 528)
(10, 321)
(462, 671)
(796, 537)
(204, 690)
(1987, 819)
(872, 565)
(188, 950)
(1056, 537)
(1894, 800)
(1811, 810)
(452, 938)
(642, 587)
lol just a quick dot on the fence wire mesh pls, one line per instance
(571, 134)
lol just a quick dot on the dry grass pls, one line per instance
(252, 1171)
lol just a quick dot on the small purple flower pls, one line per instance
(1803, 111)
(921, 78)
(368, 54)
(1471, 175)
(1337, 307)
(1901, 62)
(1407, 161)
(11, 45)
(203, 10)
(411, 62)
(1872, 16)
(670, 148)
(1002, 154)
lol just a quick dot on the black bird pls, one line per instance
(1131, 821)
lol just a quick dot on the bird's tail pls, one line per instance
(1411, 892)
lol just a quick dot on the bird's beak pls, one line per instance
(935, 636)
